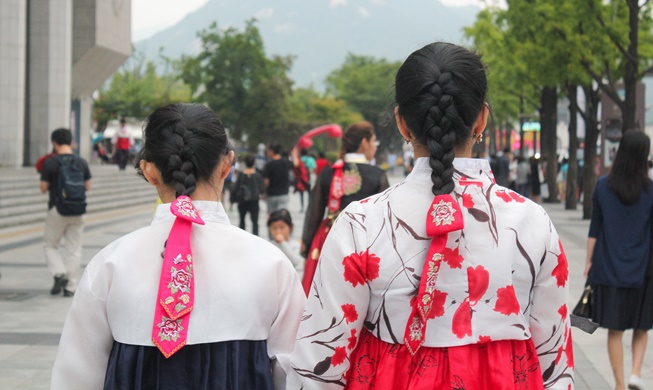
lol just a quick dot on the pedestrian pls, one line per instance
(276, 176)
(189, 302)
(444, 281)
(618, 255)
(247, 192)
(502, 174)
(523, 170)
(122, 143)
(280, 226)
(320, 163)
(301, 175)
(66, 178)
(350, 179)
(535, 179)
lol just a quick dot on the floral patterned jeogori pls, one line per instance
(176, 286)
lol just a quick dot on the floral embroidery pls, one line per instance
(169, 329)
(178, 259)
(442, 213)
(169, 300)
(350, 312)
(352, 181)
(416, 329)
(180, 279)
(507, 302)
(339, 356)
(185, 298)
(186, 208)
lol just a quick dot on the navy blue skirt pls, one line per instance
(227, 365)
(619, 308)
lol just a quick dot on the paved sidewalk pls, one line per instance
(30, 328)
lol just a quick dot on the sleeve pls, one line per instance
(549, 317)
(87, 171)
(596, 221)
(47, 169)
(86, 340)
(259, 183)
(317, 203)
(281, 339)
(336, 309)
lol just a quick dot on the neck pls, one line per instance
(63, 149)
(464, 151)
(203, 191)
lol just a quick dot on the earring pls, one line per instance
(479, 138)
(407, 140)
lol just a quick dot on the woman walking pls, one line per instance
(618, 254)
(446, 280)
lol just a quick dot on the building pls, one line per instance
(53, 55)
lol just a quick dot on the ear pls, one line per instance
(481, 121)
(151, 173)
(226, 163)
(401, 125)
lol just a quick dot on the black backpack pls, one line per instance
(71, 191)
(248, 189)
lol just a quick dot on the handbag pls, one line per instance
(581, 316)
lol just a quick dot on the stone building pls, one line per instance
(53, 55)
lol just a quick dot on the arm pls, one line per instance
(86, 340)
(336, 309)
(44, 185)
(87, 185)
(596, 223)
(549, 317)
(591, 242)
(292, 252)
(281, 339)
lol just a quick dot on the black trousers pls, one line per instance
(122, 155)
(253, 208)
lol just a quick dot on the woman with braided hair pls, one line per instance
(188, 302)
(446, 280)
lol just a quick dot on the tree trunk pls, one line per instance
(628, 114)
(572, 162)
(548, 121)
(592, 97)
(522, 146)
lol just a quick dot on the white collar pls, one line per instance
(209, 211)
(358, 158)
(422, 169)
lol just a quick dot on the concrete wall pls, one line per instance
(12, 81)
(49, 73)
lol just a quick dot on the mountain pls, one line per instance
(320, 33)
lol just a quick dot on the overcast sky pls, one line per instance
(151, 16)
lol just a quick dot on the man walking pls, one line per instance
(122, 142)
(67, 178)
(276, 177)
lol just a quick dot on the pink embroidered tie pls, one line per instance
(444, 216)
(176, 286)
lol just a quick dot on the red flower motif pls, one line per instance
(352, 339)
(516, 197)
(339, 356)
(484, 339)
(467, 201)
(452, 257)
(437, 307)
(563, 311)
(360, 267)
(561, 271)
(365, 200)
(504, 196)
(462, 320)
(569, 352)
(478, 279)
(559, 355)
(350, 312)
(507, 303)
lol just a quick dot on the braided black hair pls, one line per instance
(440, 90)
(186, 142)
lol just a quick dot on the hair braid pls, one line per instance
(180, 164)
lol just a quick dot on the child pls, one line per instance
(280, 227)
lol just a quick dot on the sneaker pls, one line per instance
(60, 281)
(635, 382)
(68, 293)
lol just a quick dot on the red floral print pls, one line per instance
(437, 308)
(360, 267)
(462, 320)
(478, 279)
(563, 311)
(484, 339)
(507, 301)
(453, 258)
(516, 197)
(561, 271)
(350, 312)
(504, 196)
(569, 352)
(352, 340)
(339, 356)
(467, 201)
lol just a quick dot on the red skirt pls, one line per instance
(497, 365)
(310, 266)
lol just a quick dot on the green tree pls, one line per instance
(136, 90)
(233, 75)
(366, 84)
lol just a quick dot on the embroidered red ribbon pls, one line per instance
(177, 284)
(337, 187)
(444, 216)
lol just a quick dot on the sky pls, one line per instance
(151, 16)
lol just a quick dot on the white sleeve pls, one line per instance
(86, 340)
(281, 339)
(292, 251)
(549, 319)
